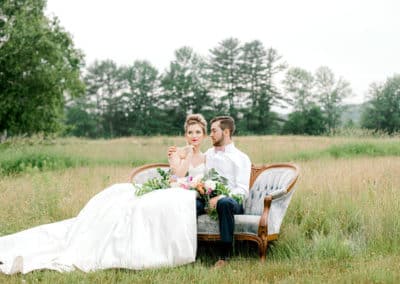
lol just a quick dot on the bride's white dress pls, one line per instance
(115, 229)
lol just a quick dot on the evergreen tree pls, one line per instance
(225, 73)
(271, 95)
(253, 81)
(104, 86)
(185, 87)
(142, 98)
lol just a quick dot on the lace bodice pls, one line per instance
(199, 169)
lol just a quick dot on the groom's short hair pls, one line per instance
(225, 122)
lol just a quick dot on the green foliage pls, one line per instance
(79, 121)
(258, 69)
(298, 85)
(26, 162)
(156, 183)
(325, 231)
(311, 121)
(143, 100)
(383, 111)
(38, 64)
(330, 93)
(350, 150)
(120, 101)
(225, 72)
(184, 85)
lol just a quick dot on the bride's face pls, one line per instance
(194, 135)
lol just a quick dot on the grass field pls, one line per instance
(342, 225)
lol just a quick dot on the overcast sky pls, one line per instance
(358, 40)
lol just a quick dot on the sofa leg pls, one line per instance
(262, 248)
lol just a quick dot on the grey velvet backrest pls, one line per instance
(278, 181)
(275, 180)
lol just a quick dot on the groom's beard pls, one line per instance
(219, 142)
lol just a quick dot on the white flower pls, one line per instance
(195, 180)
(198, 178)
(210, 184)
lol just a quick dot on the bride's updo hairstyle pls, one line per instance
(196, 119)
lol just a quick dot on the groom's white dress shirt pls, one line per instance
(232, 164)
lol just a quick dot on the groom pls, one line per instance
(234, 165)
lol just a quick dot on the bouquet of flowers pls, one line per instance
(209, 185)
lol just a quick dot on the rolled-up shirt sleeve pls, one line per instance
(242, 176)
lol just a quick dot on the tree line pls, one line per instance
(45, 87)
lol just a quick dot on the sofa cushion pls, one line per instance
(247, 224)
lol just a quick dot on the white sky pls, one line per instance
(358, 40)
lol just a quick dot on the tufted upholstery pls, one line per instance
(273, 182)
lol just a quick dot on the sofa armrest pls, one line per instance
(263, 225)
(278, 193)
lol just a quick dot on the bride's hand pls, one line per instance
(171, 151)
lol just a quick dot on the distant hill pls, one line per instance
(352, 112)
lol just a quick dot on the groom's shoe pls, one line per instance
(220, 263)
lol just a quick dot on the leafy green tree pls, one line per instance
(310, 121)
(185, 86)
(38, 66)
(383, 111)
(253, 75)
(225, 73)
(79, 121)
(330, 93)
(141, 98)
(298, 85)
(258, 67)
(104, 84)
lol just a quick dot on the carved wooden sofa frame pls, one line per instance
(271, 189)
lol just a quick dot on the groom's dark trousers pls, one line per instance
(226, 208)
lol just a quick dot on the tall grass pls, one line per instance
(29, 154)
(343, 216)
(350, 150)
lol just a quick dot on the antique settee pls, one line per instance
(271, 189)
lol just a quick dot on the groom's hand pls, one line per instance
(213, 201)
(171, 151)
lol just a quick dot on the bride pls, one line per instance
(116, 228)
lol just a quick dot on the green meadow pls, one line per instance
(342, 224)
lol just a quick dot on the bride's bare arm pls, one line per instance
(179, 161)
